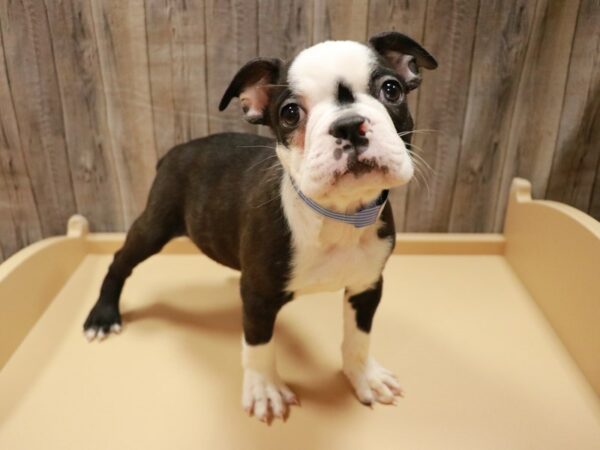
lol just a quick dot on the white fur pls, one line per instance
(263, 393)
(314, 76)
(95, 333)
(315, 72)
(329, 255)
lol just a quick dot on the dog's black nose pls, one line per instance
(350, 128)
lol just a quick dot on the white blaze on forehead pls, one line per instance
(316, 71)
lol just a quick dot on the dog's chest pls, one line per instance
(330, 267)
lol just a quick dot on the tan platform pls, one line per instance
(495, 338)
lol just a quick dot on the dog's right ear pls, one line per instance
(251, 85)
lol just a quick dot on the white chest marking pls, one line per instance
(330, 255)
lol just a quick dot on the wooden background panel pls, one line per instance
(577, 152)
(89, 147)
(92, 92)
(120, 30)
(539, 102)
(292, 22)
(232, 36)
(340, 19)
(19, 221)
(35, 92)
(177, 65)
(408, 18)
(449, 36)
(503, 29)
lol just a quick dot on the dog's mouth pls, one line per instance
(358, 168)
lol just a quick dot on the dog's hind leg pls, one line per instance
(158, 224)
(144, 239)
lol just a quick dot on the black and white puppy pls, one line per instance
(302, 213)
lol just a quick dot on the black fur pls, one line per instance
(223, 192)
(365, 304)
(207, 189)
(344, 94)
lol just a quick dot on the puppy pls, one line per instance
(304, 212)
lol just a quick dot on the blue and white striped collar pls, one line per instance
(362, 218)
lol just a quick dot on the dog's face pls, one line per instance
(338, 111)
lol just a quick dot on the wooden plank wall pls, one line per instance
(93, 92)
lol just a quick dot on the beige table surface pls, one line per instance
(480, 366)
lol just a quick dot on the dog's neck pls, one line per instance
(311, 229)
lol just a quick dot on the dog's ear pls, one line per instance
(404, 54)
(251, 85)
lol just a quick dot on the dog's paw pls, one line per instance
(102, 320)
(266, 397)
(372, 382)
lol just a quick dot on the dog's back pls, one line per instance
(198, 184)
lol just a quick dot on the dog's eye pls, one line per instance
(391, 91)
(291, 114)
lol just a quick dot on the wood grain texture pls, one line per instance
(407, 18)
(292, 22)
(232, 37)
(91, 159)
(340, 19)
(536, 117)
(177, 64)
(577, 152)
(402, 16)
(38, 109)
(120, 30)
(503, 29)
(449, 36)
(19, 220)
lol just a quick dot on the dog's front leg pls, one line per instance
(264, 394)
(371, 381)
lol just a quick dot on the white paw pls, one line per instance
(266, 397)
(373, 382)
(101, 333)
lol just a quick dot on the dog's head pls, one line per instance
(338, 111)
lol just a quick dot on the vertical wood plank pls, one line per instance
(449, 35)
(340, 20)
(291, 22)
(408, 18)
(177, 64)
(535, 122)
(503, 28)
(120, 30)
(19, 221)
(285, 28)
(92, 164)
(402, 16)
(231, 41)
(38, 109)
(577, 153)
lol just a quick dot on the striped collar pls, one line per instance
(362, 218)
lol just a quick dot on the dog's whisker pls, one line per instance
(256, 146)
(262, 161)
(417, 157)
(426, 183)
(420, 131)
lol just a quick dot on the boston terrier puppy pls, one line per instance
(301, 213)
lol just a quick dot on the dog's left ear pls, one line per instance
(251, 85)
(404, 54)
